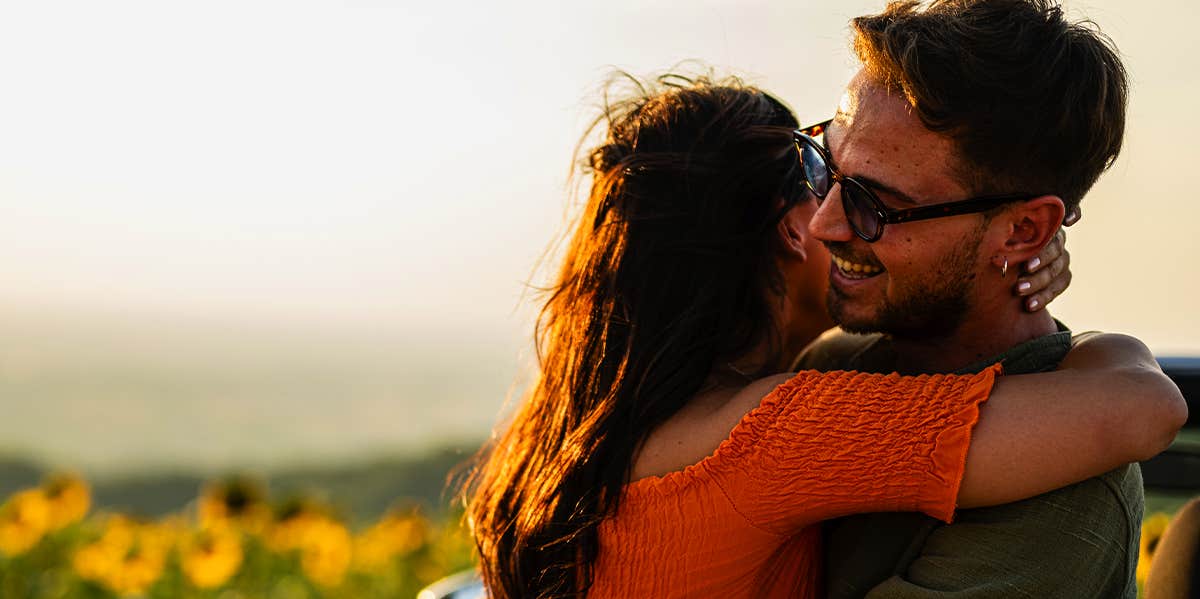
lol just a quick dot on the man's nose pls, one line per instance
(829, 222)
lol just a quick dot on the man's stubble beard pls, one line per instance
(928, 309)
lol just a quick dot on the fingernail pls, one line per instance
(1033, 303)
(1034, 263)
(1023, 286)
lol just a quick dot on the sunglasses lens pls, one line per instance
(816, 172)
(860, 211)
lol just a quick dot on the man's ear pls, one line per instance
(1031, 225)
(793, 233)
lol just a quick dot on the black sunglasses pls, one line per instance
(866, 214)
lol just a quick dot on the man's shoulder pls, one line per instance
(1082, 538)
(837, 349)
(1086, 531)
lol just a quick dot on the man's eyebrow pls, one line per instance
(892, 191)
(869, 182)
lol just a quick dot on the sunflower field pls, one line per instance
(232, 542)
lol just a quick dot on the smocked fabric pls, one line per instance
(742, 522)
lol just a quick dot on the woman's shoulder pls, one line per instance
(696, 432)
(733, 420)
(752, 395)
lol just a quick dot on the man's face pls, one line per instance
(917, 280)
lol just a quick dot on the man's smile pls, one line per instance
(856, 270)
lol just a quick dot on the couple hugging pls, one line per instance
(693, 433)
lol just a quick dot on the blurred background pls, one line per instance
(297, 238)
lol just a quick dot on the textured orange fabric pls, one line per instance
(741, 522)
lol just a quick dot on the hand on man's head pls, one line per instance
(1047, 275)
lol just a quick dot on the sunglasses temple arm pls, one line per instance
(976, 205)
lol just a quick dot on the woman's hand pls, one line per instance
(1046, 276)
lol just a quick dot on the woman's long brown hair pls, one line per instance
(669, 274)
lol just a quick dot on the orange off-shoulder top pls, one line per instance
(742, 522)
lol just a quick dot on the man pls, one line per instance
(1003, 114)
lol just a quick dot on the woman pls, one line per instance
(673, 302)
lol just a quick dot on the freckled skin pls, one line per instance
(927, 284)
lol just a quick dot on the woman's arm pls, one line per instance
(1108, 404)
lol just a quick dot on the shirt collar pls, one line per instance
(1036, 355)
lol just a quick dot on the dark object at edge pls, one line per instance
(1178, 468)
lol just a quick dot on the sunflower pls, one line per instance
(1152, 532)
(325, 552)
(24, 519)
(69, 499)
(237, 501)
(95, 560)
(136, 570)
(211, 556)
(290, 527)
(397, 534)
(310, 528)
(128, 557)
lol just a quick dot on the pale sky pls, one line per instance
(402, 165)
(262, 231)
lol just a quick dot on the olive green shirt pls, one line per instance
(1077, 542)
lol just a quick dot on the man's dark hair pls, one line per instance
(1035, 103)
